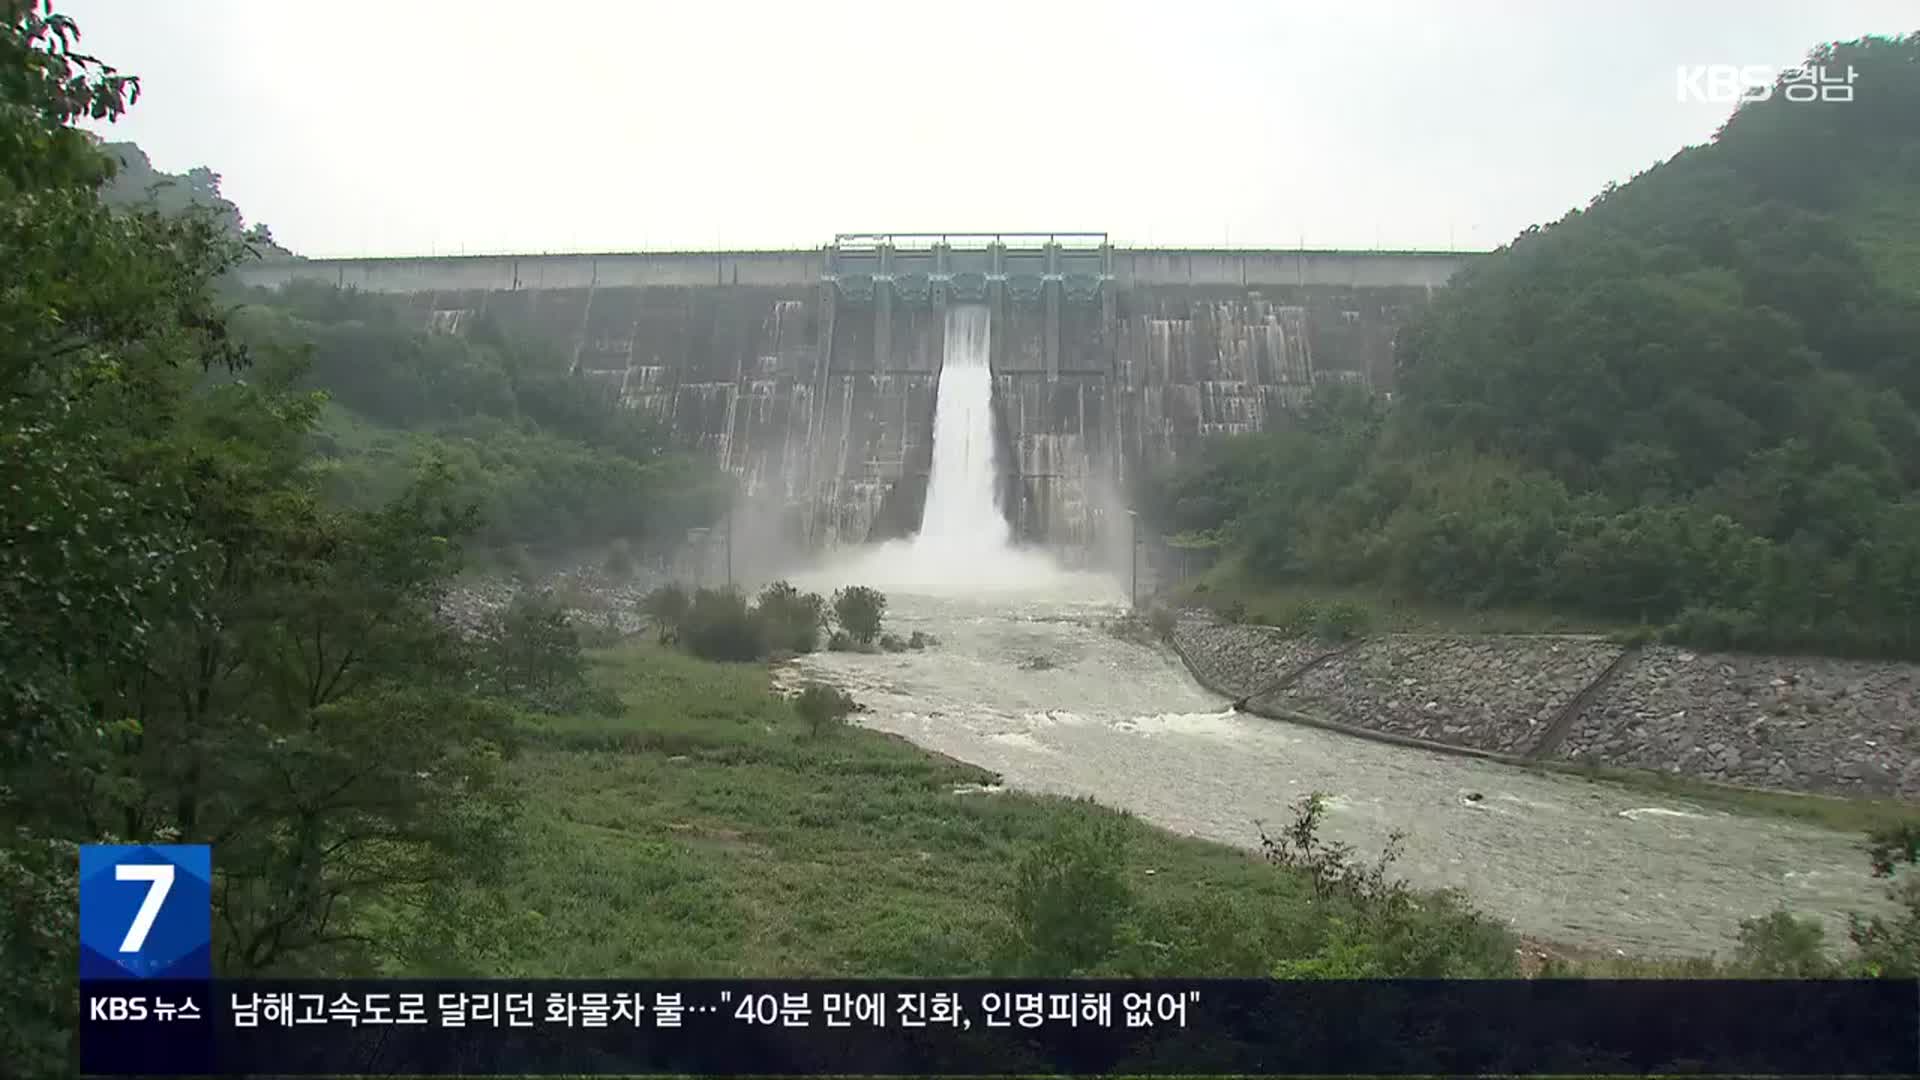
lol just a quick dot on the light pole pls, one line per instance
(729, 545)
(1133, 560)
(697, 540)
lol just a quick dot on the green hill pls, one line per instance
(135, 181)
(1695, 402)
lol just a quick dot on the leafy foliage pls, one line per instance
(793, 619)
(551, 458)
(823, 707)
(529, 653)
(1782, 946)
(195, 645)
(1693, 404)
(1376, 925)
(136, 183)
(719, 625)
(667, 606)
(1070, 897)
(859, 610)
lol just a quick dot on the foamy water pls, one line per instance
(1026, 681)
(1562, 858)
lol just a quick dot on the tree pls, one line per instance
(667, 606)
(822, 707)
(792, 618)
(195, 645)
(859, 610)
(1070, 896)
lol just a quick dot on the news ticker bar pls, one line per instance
(229, 1027)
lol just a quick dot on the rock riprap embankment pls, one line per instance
(1797, 723)
(590, 595)
(1240, 659)
(1488, 693)
(1844, 727)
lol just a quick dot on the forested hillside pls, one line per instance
(551, 461)
(217, 623)
(1693, 403)
(135, 182)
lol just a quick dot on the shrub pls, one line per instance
(892, 643)
(1890, 947)
(1235, 611)
(1162, 621)
(1378, 926)
(718, 626)
(667, 607)
(791, 619)
(920, 640)
(1339, 621)
(822, 707)
(1781, 946)
(840, 641)
(1070, 896)
(859, 610)
(530, 652)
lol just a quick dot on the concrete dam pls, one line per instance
(811, 375)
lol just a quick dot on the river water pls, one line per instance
(1029, 683)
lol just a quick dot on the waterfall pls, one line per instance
(964, 545)
(963, 516)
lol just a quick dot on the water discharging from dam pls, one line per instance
(963, 513)
(1026, 680)
(964, 541)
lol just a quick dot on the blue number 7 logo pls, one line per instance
(146, 911)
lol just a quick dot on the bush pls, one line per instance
(859, 611)
(790, 618)
(1235, 611)
(1890, 947)
(1378, 926)
(892, 643)
(1780, 946)
(1330, 621)
(919, 640)
(822, 707)
(1070, 896)
(1341, 621)
(530, 652)
(840, 641)
(1162, 621)
(667, 607)
(718, 626)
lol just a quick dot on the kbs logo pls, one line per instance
(1730, 83)
(146, 911)
(117, 1008)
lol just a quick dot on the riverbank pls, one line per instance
(1804, 725)
(704, 833)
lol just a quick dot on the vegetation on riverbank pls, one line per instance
(723, 624)
(1692, 404)
(217, 624)
(708, 830)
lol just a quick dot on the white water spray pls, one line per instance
(963, 516)
(964, 543)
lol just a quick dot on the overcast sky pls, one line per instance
(411, 126)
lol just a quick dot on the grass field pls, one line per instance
(704, 833)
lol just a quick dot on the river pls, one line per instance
(1028, 682)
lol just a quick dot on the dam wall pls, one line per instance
(811, 374)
